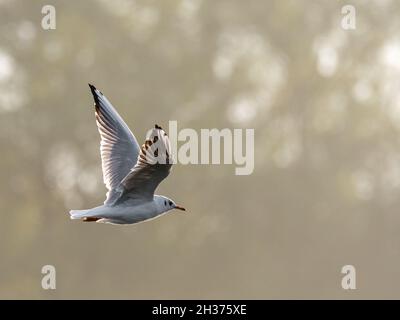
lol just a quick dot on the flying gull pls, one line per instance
(130, 173)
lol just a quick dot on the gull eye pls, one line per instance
(170, 203)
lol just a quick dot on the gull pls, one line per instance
(131, 174)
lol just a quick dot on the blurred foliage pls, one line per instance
(325, 105)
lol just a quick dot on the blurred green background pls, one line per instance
(325, 106)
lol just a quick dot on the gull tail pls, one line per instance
(79, 214)
(89, 215)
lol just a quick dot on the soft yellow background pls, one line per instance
(325, 106)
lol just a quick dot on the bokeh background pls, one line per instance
(325, 106)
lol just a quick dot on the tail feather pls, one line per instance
(98, 214)
(79, 214)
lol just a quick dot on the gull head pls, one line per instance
(166, 204)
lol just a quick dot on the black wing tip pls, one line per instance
(157, 127)
(95, 92)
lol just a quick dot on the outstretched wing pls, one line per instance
(153, 165)
(118, 147)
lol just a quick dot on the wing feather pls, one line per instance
(153, 165)
(118, 146)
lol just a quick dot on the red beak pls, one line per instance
(180, 208)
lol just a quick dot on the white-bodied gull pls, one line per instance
(130, 173)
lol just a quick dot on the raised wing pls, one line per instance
(118, 147)
(153, 165)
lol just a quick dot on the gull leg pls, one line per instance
(90, 219)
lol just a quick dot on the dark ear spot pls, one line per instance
(165, 202)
